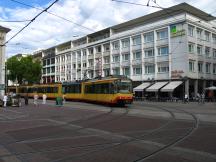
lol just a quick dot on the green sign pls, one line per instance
(173, 29)
(178, 33)
(2, 86)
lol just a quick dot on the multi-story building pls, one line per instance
(3, 32)
(48, 63)
(174, 44)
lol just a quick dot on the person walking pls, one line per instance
(198, 98)
(26, 99)
(44, 98)
(203, 98)
(5, 100)
(185, 98)
(36, 99)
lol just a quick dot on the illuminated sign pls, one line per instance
(175, 32)
(177, 73)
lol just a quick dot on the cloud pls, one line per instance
(48, 30)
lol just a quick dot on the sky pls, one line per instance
(85, 17)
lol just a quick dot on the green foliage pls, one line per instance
(24, 69)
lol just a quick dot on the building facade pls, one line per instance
(3, 32)
(174, 44)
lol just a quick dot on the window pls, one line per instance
(116, 71)
(48, 70)
(149, 37)
(126, 71)
(137, 55)
(98, 49)
(191, 48)
(163, 68)
(199, 49)
(199, 33)
(52, 69)
(91, 63)
(91, 51)
(191, 66)
(116, 58)
(214, 38)
(106, 47)
(44, 62)
(149, 52)
(207, 51)
(136, 40)
(48, 61)
(200, 67)
(137, 70)
(126, 57)
(68, 57)
(52, 60)
(125, 43)
(190, 30)
(162, 34)
(214, 53)
(84, 64)
(63, 58)
(106, 72)
(149, 69)
(44, 70)
(84, 52)
(163, 51)
(208, 65)
(116, 45)
(79, 65)
(207, 36)
(79, 55)
(214, 68)
(107, 60)
(74, 66)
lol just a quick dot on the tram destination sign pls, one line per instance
(2, 86)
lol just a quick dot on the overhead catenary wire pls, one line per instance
(63, 18)
(138, 4)
(33, 19)
(15, 20)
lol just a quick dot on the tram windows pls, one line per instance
(103, 88)
(73, 88)
(49, 89)
(55, 90)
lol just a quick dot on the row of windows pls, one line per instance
(104, 88)
(149, 69)
(48, 61)
(48, 70)
(201, 34)
(73, 88)
(38, 90)
(200, 49)
(209, 68)
(162, 51)
(136, 40)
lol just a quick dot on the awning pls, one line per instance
(155, 87)
(211, 88)
(171, 86)
(141, 87)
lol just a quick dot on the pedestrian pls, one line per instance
(26, 99)
(36, 99)
(5, 98)
(186, 98)
(44, 98)
(198, 98)
(63, 98)
(203, 98)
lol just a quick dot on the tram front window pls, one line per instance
(124, 87)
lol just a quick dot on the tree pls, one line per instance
(24, 69)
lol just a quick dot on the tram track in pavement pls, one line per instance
(68, 123)
(111, 145)
(154, 153)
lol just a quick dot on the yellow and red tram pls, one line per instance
(110, 90)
